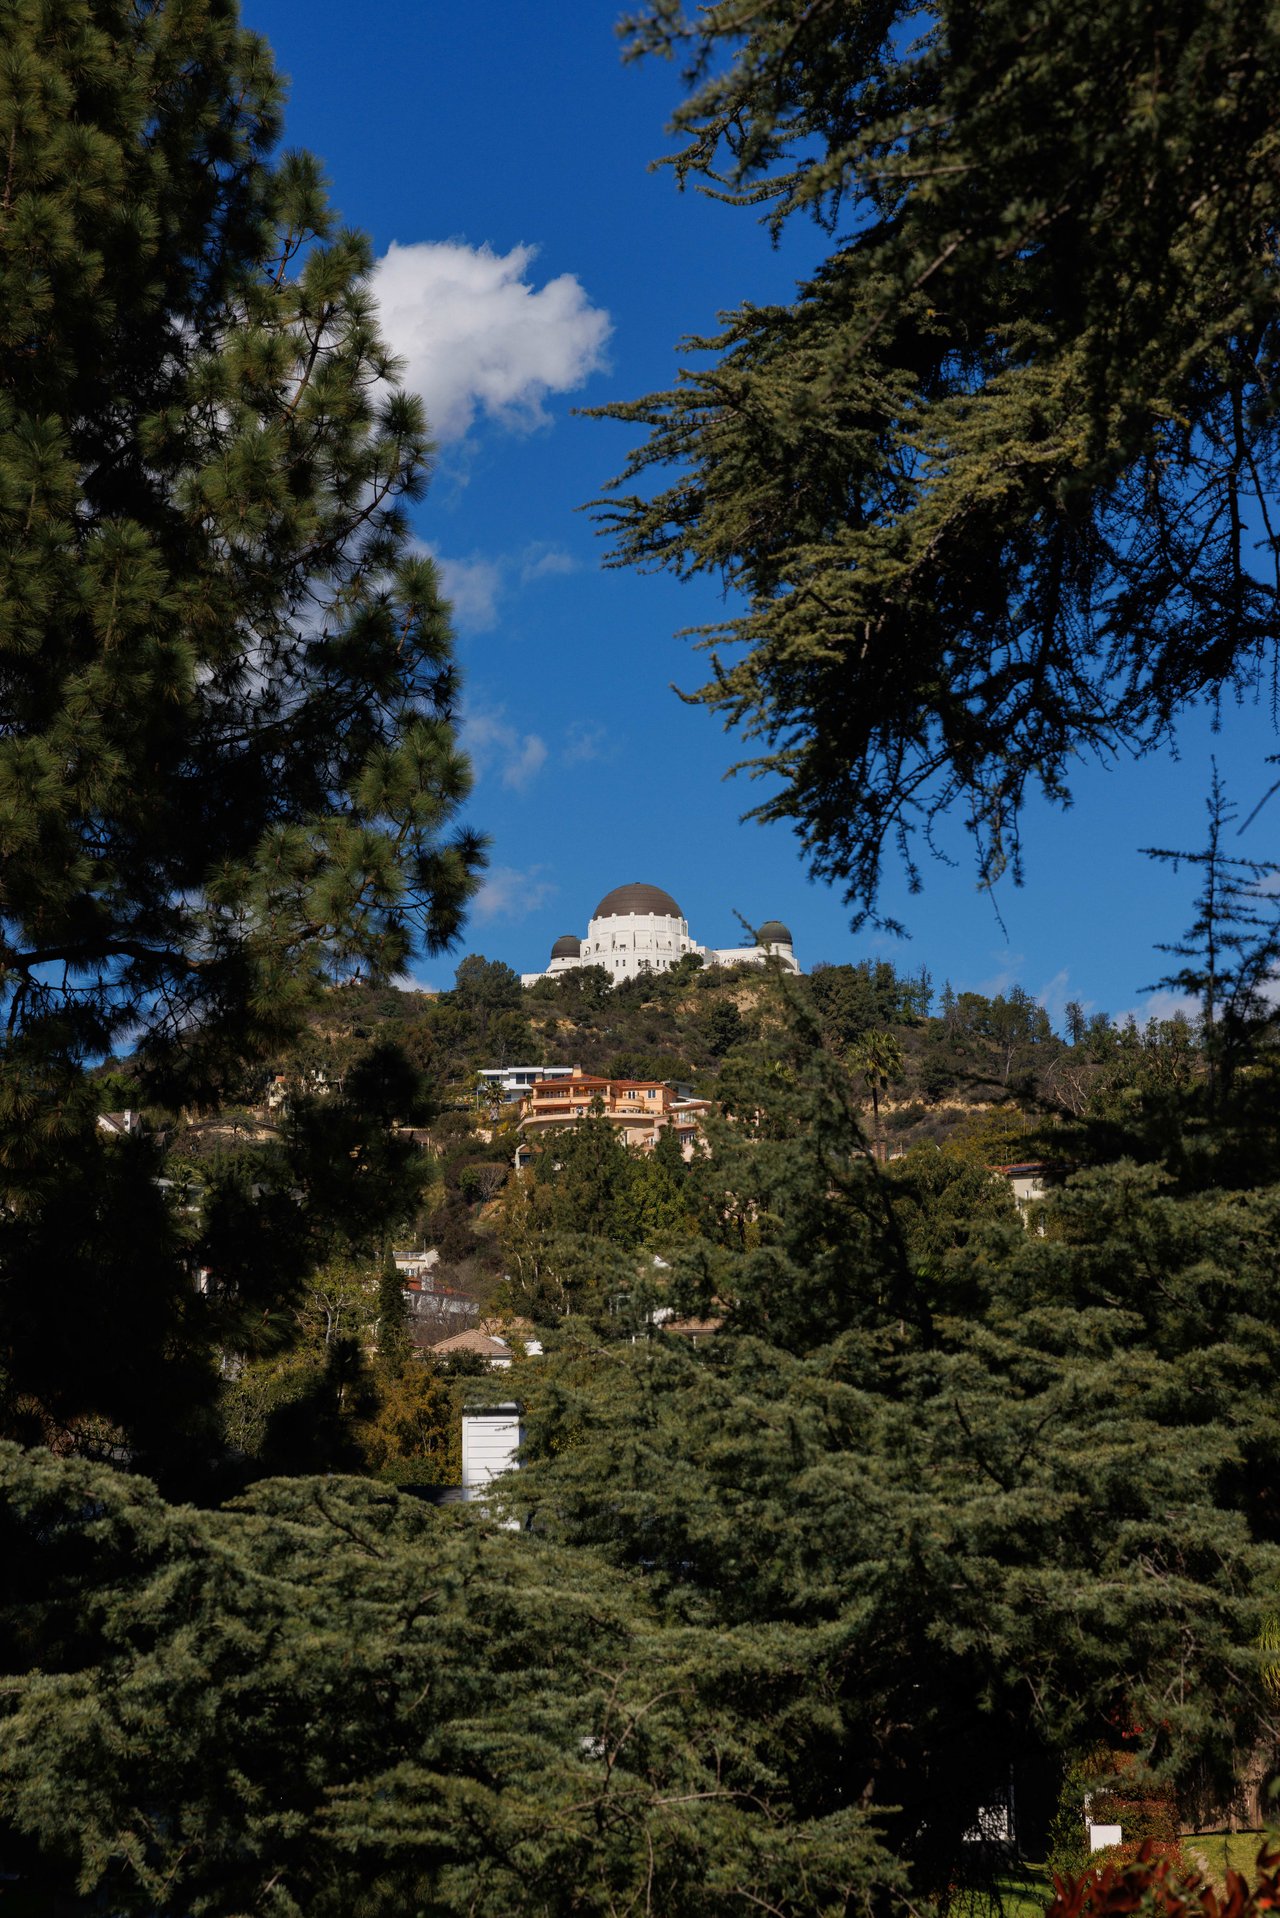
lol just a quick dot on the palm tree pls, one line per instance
(878, 1059)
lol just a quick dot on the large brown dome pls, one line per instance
(773, 933)
(639, 899)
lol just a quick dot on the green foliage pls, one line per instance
(1105, 1787)
(943, 1496)
(583, 1172)
(1232, 946)
(851, 1000)
(1068, 1853)
(991, 487)
(941, 1199)
(998, 1135)
(294, 1394)
(726, 1028)
(1012, 1489)
(486, 982)
(483, 1016)
(212, 798)
(571, 1228)
(338, 1181)
(299, 1412)
(876, 1059)
(345, 1389)
(639, 1064)
(392, 1325)
(229, 771)
(987, 1542)
(414, 1435)
(584, 989)
(331, 1700)
(482, 1181)
(797, 1234)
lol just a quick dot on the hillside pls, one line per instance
(986, 1077)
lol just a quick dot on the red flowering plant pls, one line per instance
(1152, 1886)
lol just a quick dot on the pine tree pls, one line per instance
(1232, 947)
(229, 753)
(1015, 1478)
(996, 488)
(326, 1700)
(797, 1235)
(984, 1494)
(228, 761)
(779, 1612)
(394, 1345)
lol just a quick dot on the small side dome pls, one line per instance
(773, 933)
(637, 898)
(567, 946)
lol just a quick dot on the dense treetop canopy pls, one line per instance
(328, 1700)
(997, 487)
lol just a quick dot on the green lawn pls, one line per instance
(1025, 1891)
(1217, 1852)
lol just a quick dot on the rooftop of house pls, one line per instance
(694, 1329)
(473, 1341)
(580, 1081)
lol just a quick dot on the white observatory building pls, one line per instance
(638, 928)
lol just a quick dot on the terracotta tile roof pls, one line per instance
(473, 1341)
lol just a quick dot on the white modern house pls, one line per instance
(638, 928)
(512, 1082)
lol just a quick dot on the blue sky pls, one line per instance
(530, 262)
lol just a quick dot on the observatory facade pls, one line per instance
(637, 929)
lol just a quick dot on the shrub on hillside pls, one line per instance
(1108, 1788)
(1150, 1886)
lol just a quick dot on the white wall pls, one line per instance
(490, 1441)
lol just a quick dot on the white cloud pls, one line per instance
(1165, 1004)
(1010, 968)
(545, 562)
(477, 336)
(494, 745)
(477, 585)
(583, 742)
(473, 588)
(1162, 1004)
(413, 982)
(508, 893)
(1054, 995)
(527, 763)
